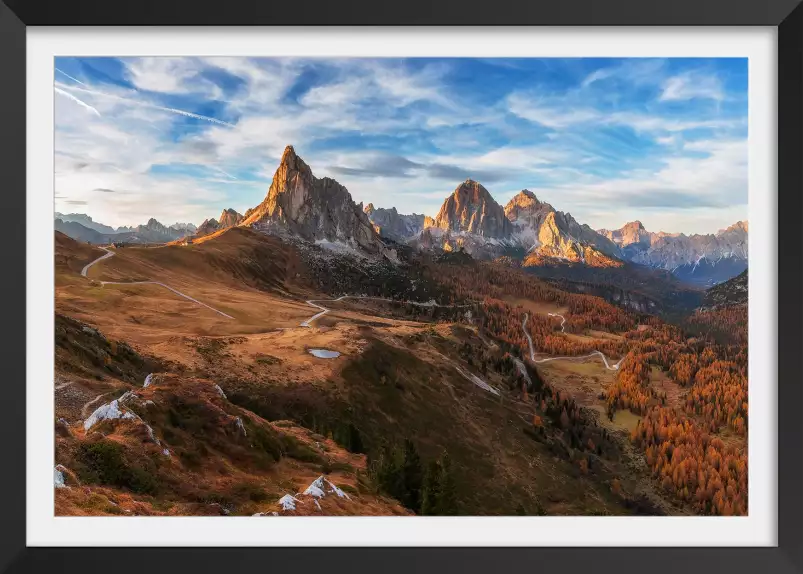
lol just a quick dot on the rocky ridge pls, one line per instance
(393, 225)
(317, 210)
(704, 259)
(228, 218)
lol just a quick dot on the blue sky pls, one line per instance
(608, 140)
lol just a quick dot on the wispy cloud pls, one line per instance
(556, 117)
(597, 75)
(692, 85)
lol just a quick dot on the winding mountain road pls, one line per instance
(610, 367)
(324, 310)
(99, 259)
(168, 287)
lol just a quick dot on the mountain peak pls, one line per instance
(228, 218)
(525, 209)
(393, 225)
(738, 226)
(634, 225)
(293, 163)
(472, 209)
(473, 191)
(314, 209)
(630, 233)
(523, 199)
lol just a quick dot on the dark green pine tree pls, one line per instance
(447, 503)
(388, 473)
(412, 477)
(354, 439)
(430, 492)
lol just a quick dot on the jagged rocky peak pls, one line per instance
(472, 209)
(525, 209)
(738, 228)
(550, 233)
(628, 234)
(184, 227)
(524, 199)
(394, 225)
(228, 218)
(632, 227)
(154, 232)
(313, 209)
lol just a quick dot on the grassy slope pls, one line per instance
(392, 383)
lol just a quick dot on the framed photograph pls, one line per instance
(427, 288)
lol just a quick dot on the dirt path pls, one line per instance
(610, 367)
(101, 258)
(168, 287)
(324, 310)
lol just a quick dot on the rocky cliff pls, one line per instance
(228, 218)
(319, 210)
(394, 225)
(549, 234)
(472, 209)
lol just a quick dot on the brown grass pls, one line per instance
(395, 379)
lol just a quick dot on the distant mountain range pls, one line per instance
(87, 222)
(528, 230)
(81, 227)
(470, 219)
(700, 259)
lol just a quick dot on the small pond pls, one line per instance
(324, 353)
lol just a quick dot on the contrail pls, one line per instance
(76, 100)
(223, 172)
(152, 106)
(69, 76)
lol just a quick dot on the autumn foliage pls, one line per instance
(706, 355)
(692, 465)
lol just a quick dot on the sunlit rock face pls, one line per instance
(313, 209)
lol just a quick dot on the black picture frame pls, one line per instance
(786, 15)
